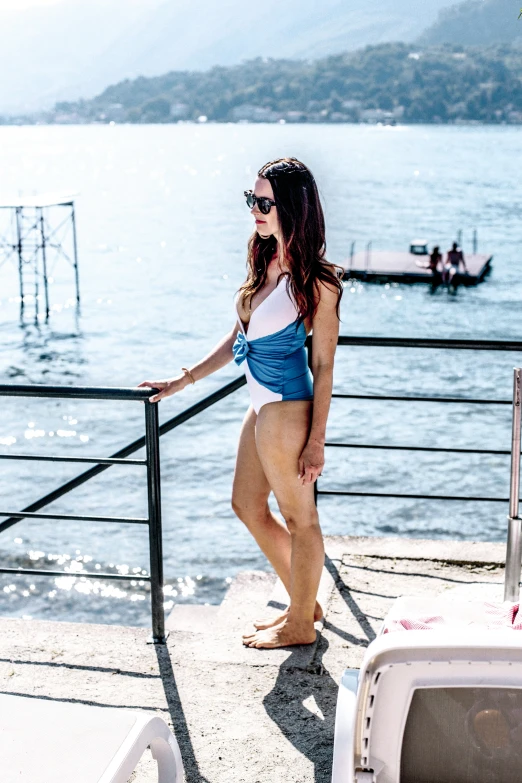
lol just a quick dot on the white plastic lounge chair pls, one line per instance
(439, 705)
(444, 614)
(44, 741)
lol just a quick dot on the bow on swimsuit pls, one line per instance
(274, 355)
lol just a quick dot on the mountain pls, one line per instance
(75, 48)
(392, 82)
(476, 23)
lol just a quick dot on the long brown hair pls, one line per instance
(302, 230)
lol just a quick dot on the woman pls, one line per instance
(434, 265)
(290, 290)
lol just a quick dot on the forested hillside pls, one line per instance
(391, 82)
(477, 23)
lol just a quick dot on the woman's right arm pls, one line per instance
(218, 357)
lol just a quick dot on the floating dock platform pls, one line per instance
(383, 266)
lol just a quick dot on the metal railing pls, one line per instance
(153, 432)
(152, 462)
(150, 441)
(152, 465)
(514, 539)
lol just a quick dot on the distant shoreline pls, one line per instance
(112, 123)
(390, 84)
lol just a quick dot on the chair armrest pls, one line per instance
(343, 755)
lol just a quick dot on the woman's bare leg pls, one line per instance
(250, 493)
(281, 433)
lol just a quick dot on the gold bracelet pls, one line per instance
(191, 377)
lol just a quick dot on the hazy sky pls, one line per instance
(20, 5)
(55, 50)
(7, 5)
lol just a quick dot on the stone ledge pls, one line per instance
(242, 715)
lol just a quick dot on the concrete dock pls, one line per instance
(242, 715)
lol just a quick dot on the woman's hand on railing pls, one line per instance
(167, 387)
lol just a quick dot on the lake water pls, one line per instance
(162, 231)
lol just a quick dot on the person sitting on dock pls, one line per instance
(454, 258)
(435, 264)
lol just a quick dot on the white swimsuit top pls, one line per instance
(278, 362)
(277, 311)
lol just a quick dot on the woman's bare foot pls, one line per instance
(270, 622)
(285, 634)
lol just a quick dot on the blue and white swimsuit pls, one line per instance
(276, 366)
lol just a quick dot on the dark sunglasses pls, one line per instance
(264, 204)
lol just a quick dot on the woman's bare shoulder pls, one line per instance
(327, 292)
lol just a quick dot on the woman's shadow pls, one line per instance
(302, 704)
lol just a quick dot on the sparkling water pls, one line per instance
(162, 232)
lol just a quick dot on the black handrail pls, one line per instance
(119, 456)
(154, 431)
(419, 398)
(411, 496)
(153, 521)
(388, 447)
(432, 343)
(152, 462)
(429, 342)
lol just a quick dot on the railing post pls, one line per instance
(368, 255)
(155, 535)
(514, 539)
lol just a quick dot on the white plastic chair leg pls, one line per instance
(343, 768)
(146, 732)
(167, 755)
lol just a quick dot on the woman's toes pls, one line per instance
(283, 635)
(268, 622)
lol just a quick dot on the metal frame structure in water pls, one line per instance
(33, 239)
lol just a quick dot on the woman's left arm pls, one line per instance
(325, 332)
